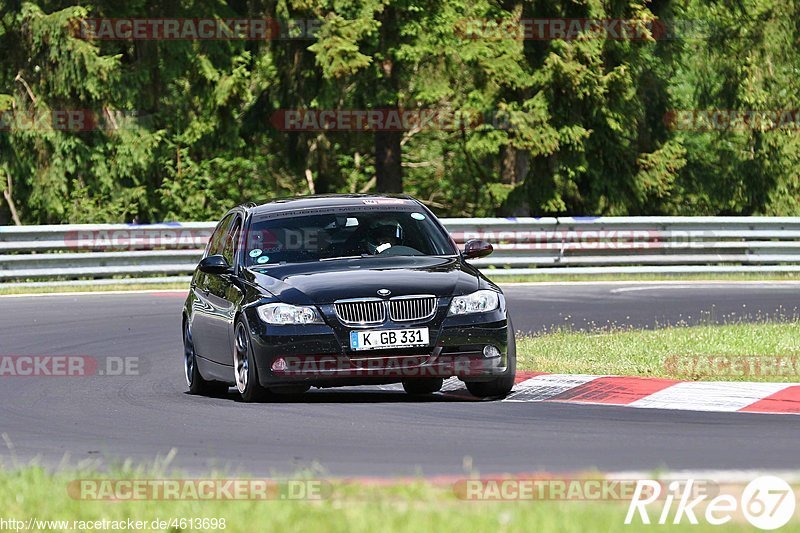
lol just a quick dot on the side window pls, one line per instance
(217, 240)
(232, 241)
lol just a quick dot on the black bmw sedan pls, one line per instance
(329, 291)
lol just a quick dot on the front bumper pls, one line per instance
(320, 355)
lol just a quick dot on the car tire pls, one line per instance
(502, 385)
(419, 386)
(244, 366)
(197, 384)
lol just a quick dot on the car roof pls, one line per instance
(324, 201)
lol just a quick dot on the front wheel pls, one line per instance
(502, 385)
(244, 366)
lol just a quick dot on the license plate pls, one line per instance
(388, 338)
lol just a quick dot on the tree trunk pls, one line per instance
(8, 194)
(388, 156)
(388, 151)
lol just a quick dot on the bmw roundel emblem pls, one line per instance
(384, 292)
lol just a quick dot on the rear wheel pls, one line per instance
(502, 385)
(197, 384)
(244, 366)
(423, 385)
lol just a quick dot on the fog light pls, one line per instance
(490, 351)
(279, 365)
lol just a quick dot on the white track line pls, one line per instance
(719, 282)
(546, 386)
(709, 396)
(718, 476)
(759, 286)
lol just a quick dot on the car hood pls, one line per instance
(327, 281)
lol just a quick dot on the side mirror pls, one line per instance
(477, 248)
(215, 264)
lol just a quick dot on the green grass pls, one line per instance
(680, 352)
(743, 276)
(93, 288)
(416, 506)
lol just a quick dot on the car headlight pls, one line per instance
(284, 314)
(477, 302)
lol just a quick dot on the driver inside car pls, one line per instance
(382, 235)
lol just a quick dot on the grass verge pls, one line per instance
(743, 276)
(93, 288)
(32, 493)
(730, 352)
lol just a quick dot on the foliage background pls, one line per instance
(580, 124)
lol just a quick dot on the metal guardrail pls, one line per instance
(99, 253)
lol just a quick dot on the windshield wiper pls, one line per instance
(342, 257)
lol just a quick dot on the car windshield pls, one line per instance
(344, 234)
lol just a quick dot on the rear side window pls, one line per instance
(217, 240)
(232, 241)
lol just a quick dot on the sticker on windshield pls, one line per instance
(417, 216)
(263, 259)
(385, 201)
(256, 252)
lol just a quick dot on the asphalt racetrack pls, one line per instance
(369, 431)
